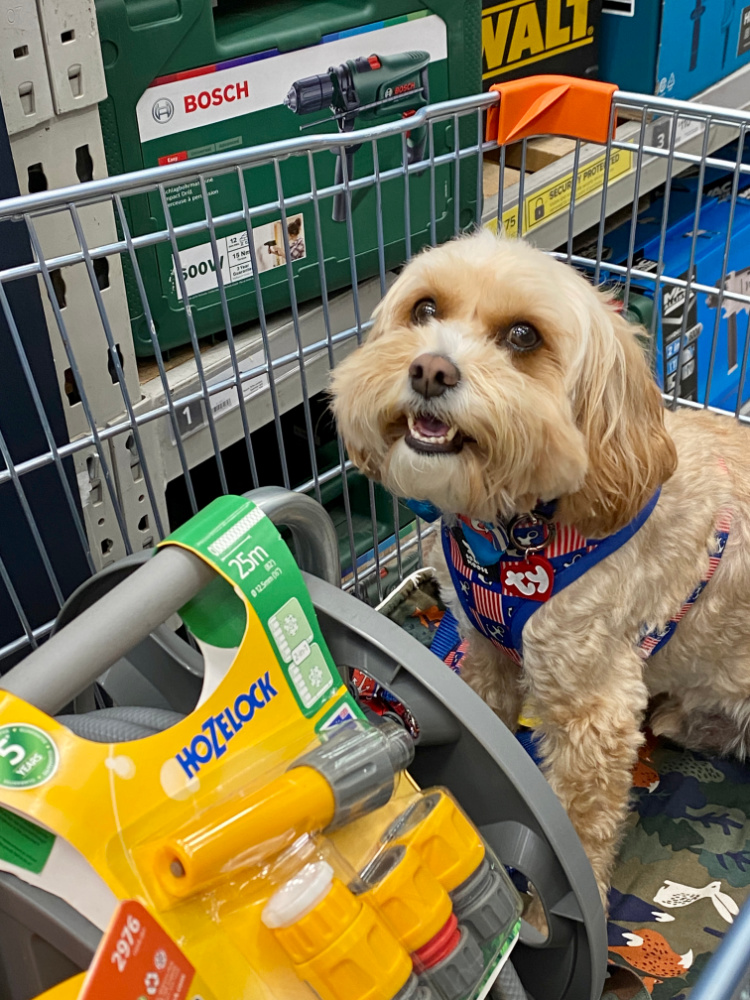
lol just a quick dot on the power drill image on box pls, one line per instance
(364, 90)
(695, 16)
(727, 19)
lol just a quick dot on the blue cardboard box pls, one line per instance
(717, 185)
(690, 319)
(691, 365)
(673, 48)
(648, 226)
(615, 248)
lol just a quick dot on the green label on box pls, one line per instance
(23, 843)
(236, 537)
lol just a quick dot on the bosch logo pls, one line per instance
(217, 96)
(404, 88)
(162, 110)
(388, 92)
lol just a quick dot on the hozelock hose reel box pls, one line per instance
(270, 843)
(190, 79)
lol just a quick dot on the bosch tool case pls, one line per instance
(186, 79)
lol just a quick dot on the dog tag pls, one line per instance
(530, 579)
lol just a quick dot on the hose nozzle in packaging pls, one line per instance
(336, 941)
(450, 847)
(352, 773)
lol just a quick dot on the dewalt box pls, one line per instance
(539, 36)
(186, 79)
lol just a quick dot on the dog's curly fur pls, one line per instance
(581, 420)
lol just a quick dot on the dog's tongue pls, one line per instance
(430, 427)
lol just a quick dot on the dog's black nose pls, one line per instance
(431, 375)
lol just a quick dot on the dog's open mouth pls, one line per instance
(429, 435)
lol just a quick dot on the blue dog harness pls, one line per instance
(503, 573)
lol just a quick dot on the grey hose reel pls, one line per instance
(461, 745)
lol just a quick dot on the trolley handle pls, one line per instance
(552, 105)
(74, 657)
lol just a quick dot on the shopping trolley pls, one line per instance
(98, 464)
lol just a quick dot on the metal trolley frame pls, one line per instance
(102, 482)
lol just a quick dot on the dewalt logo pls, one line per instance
(518, 33)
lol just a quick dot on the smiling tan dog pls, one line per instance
(498, 385)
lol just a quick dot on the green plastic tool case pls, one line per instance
(186, 79)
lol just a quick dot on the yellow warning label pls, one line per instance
(510, 222)
(549, 201)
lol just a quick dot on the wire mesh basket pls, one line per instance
(104, 452)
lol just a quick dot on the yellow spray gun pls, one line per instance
(352, 773)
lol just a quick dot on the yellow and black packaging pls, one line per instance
(526, 37)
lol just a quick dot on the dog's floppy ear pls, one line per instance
(351, 419)
(618, 408)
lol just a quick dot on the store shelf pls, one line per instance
(732, 93)
(184, 383)
(196, 433)
(182, 375)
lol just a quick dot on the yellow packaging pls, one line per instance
(113, 804)
(184, 835)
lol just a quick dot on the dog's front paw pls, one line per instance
(668, 719)
(706, 731)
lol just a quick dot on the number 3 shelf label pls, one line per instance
(137, 960)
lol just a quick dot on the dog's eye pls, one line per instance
(523, 337)
(423, 311)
